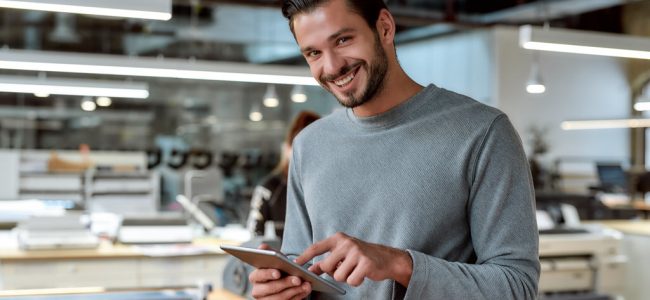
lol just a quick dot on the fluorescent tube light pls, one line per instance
(606, 124)
(73, 87)
(150, 9)
(152, 67)
(584, 42)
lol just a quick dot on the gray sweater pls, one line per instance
(440, 175)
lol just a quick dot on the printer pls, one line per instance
(55, 232)
(579, 259)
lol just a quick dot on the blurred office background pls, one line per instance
(109, 118)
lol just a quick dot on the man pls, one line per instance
(412, 192)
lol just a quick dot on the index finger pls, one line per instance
(316, 249)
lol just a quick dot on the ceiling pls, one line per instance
(254, 30)
(251, 31)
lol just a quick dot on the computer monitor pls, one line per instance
(612, 177)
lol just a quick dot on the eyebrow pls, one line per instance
(330, 38)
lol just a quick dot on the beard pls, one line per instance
(376, 74)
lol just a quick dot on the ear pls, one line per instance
(386, 27)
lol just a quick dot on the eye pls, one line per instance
(342, 40)
(312, 53)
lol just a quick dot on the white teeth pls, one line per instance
(345, 80)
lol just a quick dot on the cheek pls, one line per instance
(314, 69)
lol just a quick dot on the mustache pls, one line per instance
(341, 72)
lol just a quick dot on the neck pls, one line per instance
(397, 88)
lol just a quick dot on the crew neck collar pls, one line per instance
(395, 114)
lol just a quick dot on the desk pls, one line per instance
(110, 266)
(638, 206)
(224, 295)
(218, 294)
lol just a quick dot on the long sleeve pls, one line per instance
(441, 176)
(502, 227)
(297, 227)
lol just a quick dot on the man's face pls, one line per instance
(343, 53)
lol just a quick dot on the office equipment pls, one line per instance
(612, 177)
(196, 212)
(155, 229)
(274, 260)
(55, 232)
(586, 259)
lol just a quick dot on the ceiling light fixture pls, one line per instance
(271, 97)
(47, 61)
(535, 84)
(150, 9)
(606, 124)
(88, 105)
(643, 101)
(583, 42)
(298, 94)
(255, 114)
(103, 101)
(73, 87)
(643, 105)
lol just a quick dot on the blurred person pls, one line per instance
(410, 192)
(269, 201)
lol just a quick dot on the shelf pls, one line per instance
(122, 192)
(133, 193)
(49, 192)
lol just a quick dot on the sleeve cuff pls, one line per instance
(419, 277)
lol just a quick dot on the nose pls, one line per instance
(333, 64)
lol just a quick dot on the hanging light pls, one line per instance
(643, 102)
(255, 114)
(271, 96)
(298, 94)
(104, 101)
(535, 84)
(88, 104)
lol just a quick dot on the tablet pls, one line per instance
(269, 259)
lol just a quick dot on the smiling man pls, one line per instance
(411, 192)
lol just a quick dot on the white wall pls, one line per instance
(578, 87)
(461, 63)
(488, 65)
(9, 160)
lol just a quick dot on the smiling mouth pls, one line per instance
(343, 81)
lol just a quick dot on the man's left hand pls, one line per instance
(352, 260)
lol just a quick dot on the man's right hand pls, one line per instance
(268, 284)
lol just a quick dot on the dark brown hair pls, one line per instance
(368, 9)
(302, 120)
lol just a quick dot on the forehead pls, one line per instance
(319, 24)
